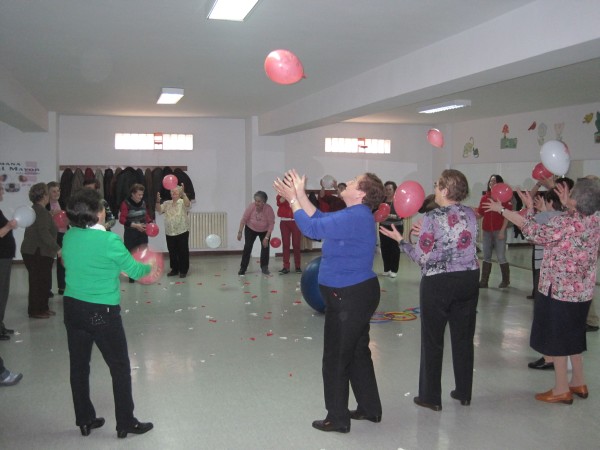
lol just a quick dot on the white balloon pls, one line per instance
(327, 181)
(555, 157)
(25, 216)
(213, 240)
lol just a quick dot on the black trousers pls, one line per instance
(89, 323)
(447, 298)
(39, 269)
(133, 238)
(179, 252)
(390, 253)
(249, 237)
(346, 354)
(60, 268)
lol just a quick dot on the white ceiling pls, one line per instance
(111, 57)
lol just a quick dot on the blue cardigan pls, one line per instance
(349, 238)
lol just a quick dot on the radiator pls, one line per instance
(204, 223)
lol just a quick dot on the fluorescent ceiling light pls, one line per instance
(455, 104)
(235, 10)
(170, 96)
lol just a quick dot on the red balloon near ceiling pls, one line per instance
(283, 67)
(435, 138)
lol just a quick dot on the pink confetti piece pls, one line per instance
(212, 320)
(254, 296)
(383, 290)
(217, 274)
(297, 302)
(269, 333)
(273, 292)
(247, 292)
(267, 317)
(252, 338)
(290, 374)
(148, 301)
(199, 284)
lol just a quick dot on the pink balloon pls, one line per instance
(408, 198)
(145, 255)
(540, 172)
(283, 67)
(501, 192)
(435, 138)
(382, 212)
(275, 242)
(170, 182)
(152, 229)
(61, 220)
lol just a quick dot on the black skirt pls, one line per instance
(558, 327)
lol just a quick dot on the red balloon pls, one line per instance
(145, 255)
(501, 192)
(170, 182)
(540, 172)
(408, 198)
(435, 138)
(382, 212)
(283, 67)
(61, 220)
(152, 229)
(523, 212)
(275, 242)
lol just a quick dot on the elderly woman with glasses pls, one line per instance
(449, 289)
(350, 290)
(567, 281)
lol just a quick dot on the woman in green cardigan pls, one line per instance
(93, 260)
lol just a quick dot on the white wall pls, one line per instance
(19, 147)
(515, 165)
(231, 161)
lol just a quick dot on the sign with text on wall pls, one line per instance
(18, 175)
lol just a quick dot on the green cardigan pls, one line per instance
(93, 261)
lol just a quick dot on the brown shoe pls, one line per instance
(549, 397)
(580, 391)
(51, 313)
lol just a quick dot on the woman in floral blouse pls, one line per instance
(177, 230)
(567, 280)
(449, 289)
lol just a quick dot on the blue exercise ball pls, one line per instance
(309, 285)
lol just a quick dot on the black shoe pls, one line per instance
(431, 406)
(87, 429)
(242, 272)
(541, 364)
(50, 294)
(265, 271)
(284, 271)
(298, 270)
(7, 331)
(358, 416)
(4, 337)
(182, 275)
(325, 425)
(590, 328)
(173, 273)
(131, 280)
(61, 292)
(463, 401)
(137, 428)
(530, 297)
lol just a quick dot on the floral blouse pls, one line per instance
(570, 254)
(446, 242)
(176, 217)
